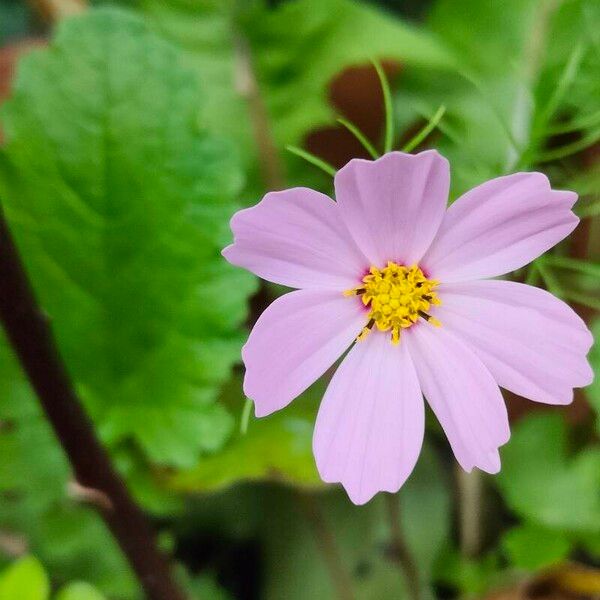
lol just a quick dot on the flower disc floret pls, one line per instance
(398, 296)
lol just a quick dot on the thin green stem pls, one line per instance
(551, 282)
(246, 411)
(581, 299)
(576, 124)
(573, 264)
(312, 159)
(360, 136)
(387, 102)
(554, 286)
(569, 149)
(429, 127)
(400, 550)
(566, 79)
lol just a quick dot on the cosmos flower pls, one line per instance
(404, 283)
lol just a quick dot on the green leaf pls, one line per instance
(488, 97)
(25, 580)
(513, 84)
(27, 445)
(280, 55)
(540, 482)
(119, 198)
(570, 81)
(277, 447)
(472, 576)
(79, 590)
(534, 548)
(69, 538)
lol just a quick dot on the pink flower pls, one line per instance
(388, 265)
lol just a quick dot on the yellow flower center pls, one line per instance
(397, 297)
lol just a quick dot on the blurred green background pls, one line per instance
(131, 132)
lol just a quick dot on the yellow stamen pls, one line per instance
(397, 296)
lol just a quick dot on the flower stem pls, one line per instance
(246, 412)
(340, 578)
(388, 106)
(313, 160)
(427, 129)
(360, 136)
(29, 333)
(470, 499)
(399, 548)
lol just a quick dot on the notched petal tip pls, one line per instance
(487, 462)
(370, 424)
(499, 226)
(295, 340)
(567, 196)
(262, 411)
(492, 463)
(295, 238)
(227, 251)
(430, 154)
(533, 344)
(393, 206)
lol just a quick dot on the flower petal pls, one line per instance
(370, 425)
(532, 343)
(462, 394)
(296, 238)
(500, 226)
(393, 206)
(294, 342)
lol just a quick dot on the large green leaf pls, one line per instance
(278, 447)
(119, 198)
(533, 547)
(291, 52)
(543, 484)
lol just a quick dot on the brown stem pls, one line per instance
(247, 85)
(327, 545)
(29, 332)
(399, 549)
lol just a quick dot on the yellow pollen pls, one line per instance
(397, 297)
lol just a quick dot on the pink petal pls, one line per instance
(369, 429)
(532, 343)
(294, 342)
(500, 226)
(393, 206)
(296, 238)
(462, 394)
